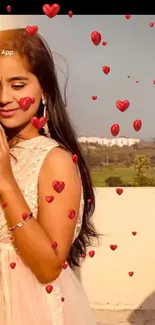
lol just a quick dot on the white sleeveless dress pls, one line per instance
(23, 299)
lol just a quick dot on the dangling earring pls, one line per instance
(46, 130)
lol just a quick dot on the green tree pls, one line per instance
(142, 166)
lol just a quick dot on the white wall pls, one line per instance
(105, 276)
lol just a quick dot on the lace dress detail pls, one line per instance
(23, 299)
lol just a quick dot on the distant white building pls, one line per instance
(120, 142)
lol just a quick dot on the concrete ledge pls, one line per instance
(125, 317)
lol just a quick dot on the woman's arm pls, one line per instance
(34, 239)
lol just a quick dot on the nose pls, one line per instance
(5, 96)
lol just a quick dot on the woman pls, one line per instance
(46, 195)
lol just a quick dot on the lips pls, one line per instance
(8, 113)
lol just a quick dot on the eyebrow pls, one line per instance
(17, 78)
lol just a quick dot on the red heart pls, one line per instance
(137, 81)
(8, 8)
(113, 247)
(24, 216)
(71, 214)
(83, 255)
(154, 82)
(137, 125)
(54, 244)
(89, 200)
(4, 204)
(106, 69)
(122, 105)
(115, 129)
(94, 97)
(151, 24)
(32, 100)
(75, 159)
(119, 191)
(70, 14)
(62, 299)
(127, 16)
(38, 123)
(25, 103)
(12, 265)
(51, 11)
(91, 253)
(128, 76)
(134, 233)
(32, 30)
(131, 273)
(96, 38)
(64, 266)
(58, 186)
(49, 198)
(49, 288)
(104, 43)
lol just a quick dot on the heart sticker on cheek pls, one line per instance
(38, 123)
(58, 186)
(25, 103)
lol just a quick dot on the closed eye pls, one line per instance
(18, 86)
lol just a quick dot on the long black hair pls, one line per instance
(41, 64)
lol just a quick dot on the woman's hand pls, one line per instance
(6, 174)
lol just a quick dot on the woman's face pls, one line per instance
(17, 82)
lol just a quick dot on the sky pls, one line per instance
(130, 51)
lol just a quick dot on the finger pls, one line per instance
(2, 139)
(5, 138)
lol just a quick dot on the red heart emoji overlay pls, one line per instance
(115, 129)
(12, 265)
(71, 214)
(75, 158)
(54, 244)
(51, 11)
(131, 273)
(58, 186)
(106, 69)
(4, 204)
(134, 233)
(127, 17)
(104, 43)
(49, 198)
(94, 97)
(137, 124)
(8, 8)
(96, 38)
(64, 266)
(32, 30)
(49, 288)
(38, 123)
(151, 24)
(25, 103)
(70, 14)
(89, 200)
(24, 216)
(91, 253)
(119, 191)
(62, 299)
(113, 247)
(122, 105)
